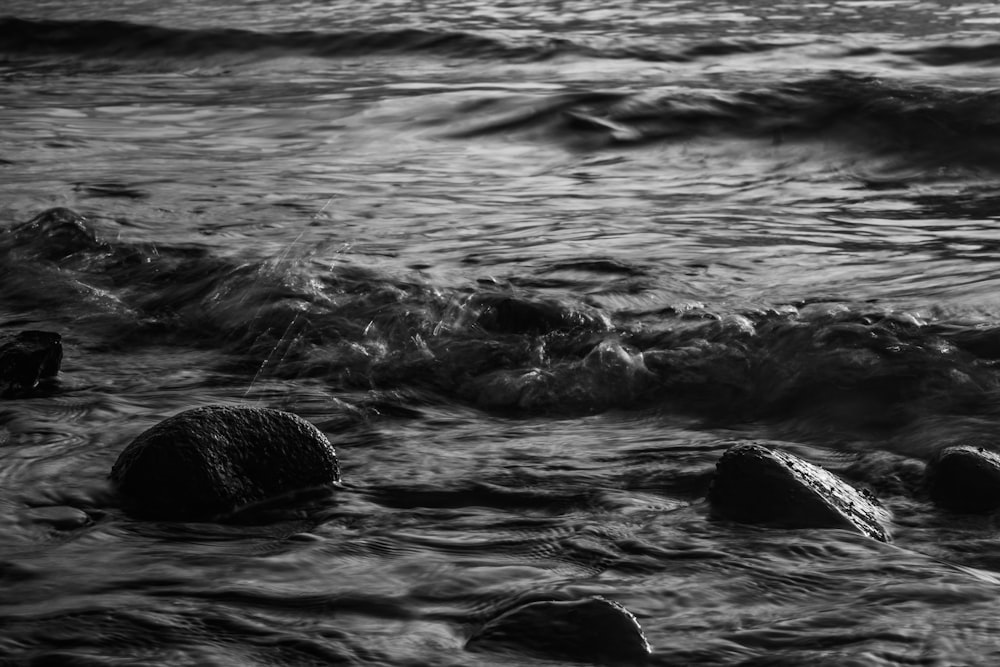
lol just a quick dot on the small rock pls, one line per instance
(26, 358)
(60, 518)
(593, 630)
(965, 479)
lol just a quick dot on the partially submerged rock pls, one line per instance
(55, 234)
(589, 630)
(754, 484)
(508, 314)
(965, 479)
(26, 358)
(208, 462)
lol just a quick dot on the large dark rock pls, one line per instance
(965, 479)
(26, 358)
(753, 484)
(591, 630)
(205, 463)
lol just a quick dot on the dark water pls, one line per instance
(532, 267)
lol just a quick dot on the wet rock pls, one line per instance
(757, 485)
(593, 630)
(59, 518)
(26, 358)
(965, 479)
(55, 234)
(206, 463)
(505, 314)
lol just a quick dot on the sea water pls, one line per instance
(532, 266)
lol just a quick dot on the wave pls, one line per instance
(120, 39)
(510, 351)
(125, 40)
(876, 115)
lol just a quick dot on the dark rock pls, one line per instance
(965, 479)
(506, 314)
(206, 463)
(55, 234)
(753, 484)
(59, 518)
(27, 357)
(593, 630)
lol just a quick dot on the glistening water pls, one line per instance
(532, 266)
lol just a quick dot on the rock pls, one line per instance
(27, 357)
(965, 479)
(59, 518)
(506, 314)
(753, 484)
(589, 630)
(205, 463)
(55, 234)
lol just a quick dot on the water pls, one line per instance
(533, 267)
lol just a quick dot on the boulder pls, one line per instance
(965, 479)
(26, 358)
(753, 484)
(206, 463)
(589, 630)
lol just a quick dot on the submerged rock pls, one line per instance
(26, 358)
(507, 314)
(754, 484)
(965, 479)
(55, 234)
(208, 462)
(593, 630)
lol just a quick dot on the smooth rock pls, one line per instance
(26, 358)
(589, 630)
(58, 517)
(208, 462)
(965, 479)
(753, 484)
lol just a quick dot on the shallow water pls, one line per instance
(533, 268)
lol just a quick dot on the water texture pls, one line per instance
(532, 267)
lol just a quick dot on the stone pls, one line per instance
(589, 630)
(206, 463)
(28, 357)
(757, 485)
(965, 479)
(55, 234)
(507, 314)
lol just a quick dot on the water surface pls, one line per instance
(716, 222)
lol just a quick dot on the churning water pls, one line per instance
(532, 266)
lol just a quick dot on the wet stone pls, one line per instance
(59, 518)
(210, 462)
(756, 485)
(27, 358)
(593, 630)
(965, 479)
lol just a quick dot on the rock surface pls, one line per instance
(965, 479)
(26, 358)
(205, 463)
(753, 484)
(590, 630)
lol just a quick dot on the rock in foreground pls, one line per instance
(965, 479)
(754, 484)
(207, 462)
(593, 630)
